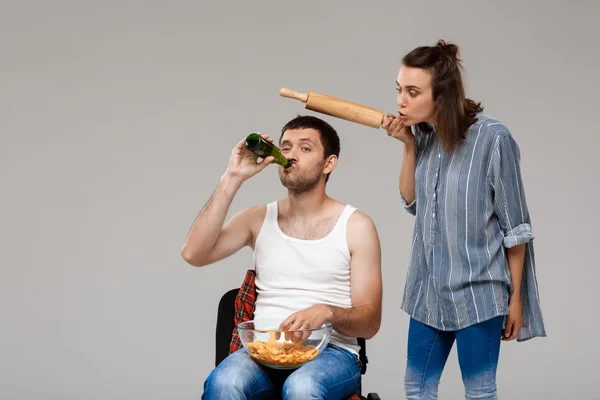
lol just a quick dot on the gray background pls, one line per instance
(117, 119)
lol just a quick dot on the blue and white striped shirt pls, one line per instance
(470, 206)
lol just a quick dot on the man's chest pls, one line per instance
(307, 230)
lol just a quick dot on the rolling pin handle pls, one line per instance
(285, 92)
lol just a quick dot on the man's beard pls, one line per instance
(301, 182)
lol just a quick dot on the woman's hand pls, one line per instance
(396, 129)
(514, 321)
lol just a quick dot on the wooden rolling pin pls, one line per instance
(337, 107)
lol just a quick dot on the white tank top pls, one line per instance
(293, 274)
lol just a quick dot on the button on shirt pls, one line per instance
(470, 207)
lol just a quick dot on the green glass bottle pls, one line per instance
(263, 148)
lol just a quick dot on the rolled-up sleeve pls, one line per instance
(412, 207)
(510, 205)
(519, 235)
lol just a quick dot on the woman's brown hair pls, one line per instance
(454, 112)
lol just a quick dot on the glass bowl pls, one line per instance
(282, 349)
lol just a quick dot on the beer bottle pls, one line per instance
(263, 148)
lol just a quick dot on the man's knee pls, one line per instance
(235, 378)
(334, 374)
(303, 386)
(224, 383)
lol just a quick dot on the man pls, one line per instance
(316, 260)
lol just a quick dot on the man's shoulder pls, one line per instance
(359, 220)
(254, 215)
(359, 225)
(361, 233)
(254, 211)
(357, 217)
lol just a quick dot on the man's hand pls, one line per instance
(309, 318)
(396, 129)
(243, 163)
(514, 321)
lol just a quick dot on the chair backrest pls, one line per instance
(225, 325)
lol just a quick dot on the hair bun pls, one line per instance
(449, 48)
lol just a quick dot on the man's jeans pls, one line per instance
(478, 348)
(334, 374)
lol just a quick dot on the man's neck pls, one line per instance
(305, 204)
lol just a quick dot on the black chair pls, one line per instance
(225, 325)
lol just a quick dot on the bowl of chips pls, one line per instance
(282, 349)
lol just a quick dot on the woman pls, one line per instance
(471, 276)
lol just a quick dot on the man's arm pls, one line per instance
(208, 241)
(363, 319)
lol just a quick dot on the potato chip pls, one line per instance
(281, 353)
